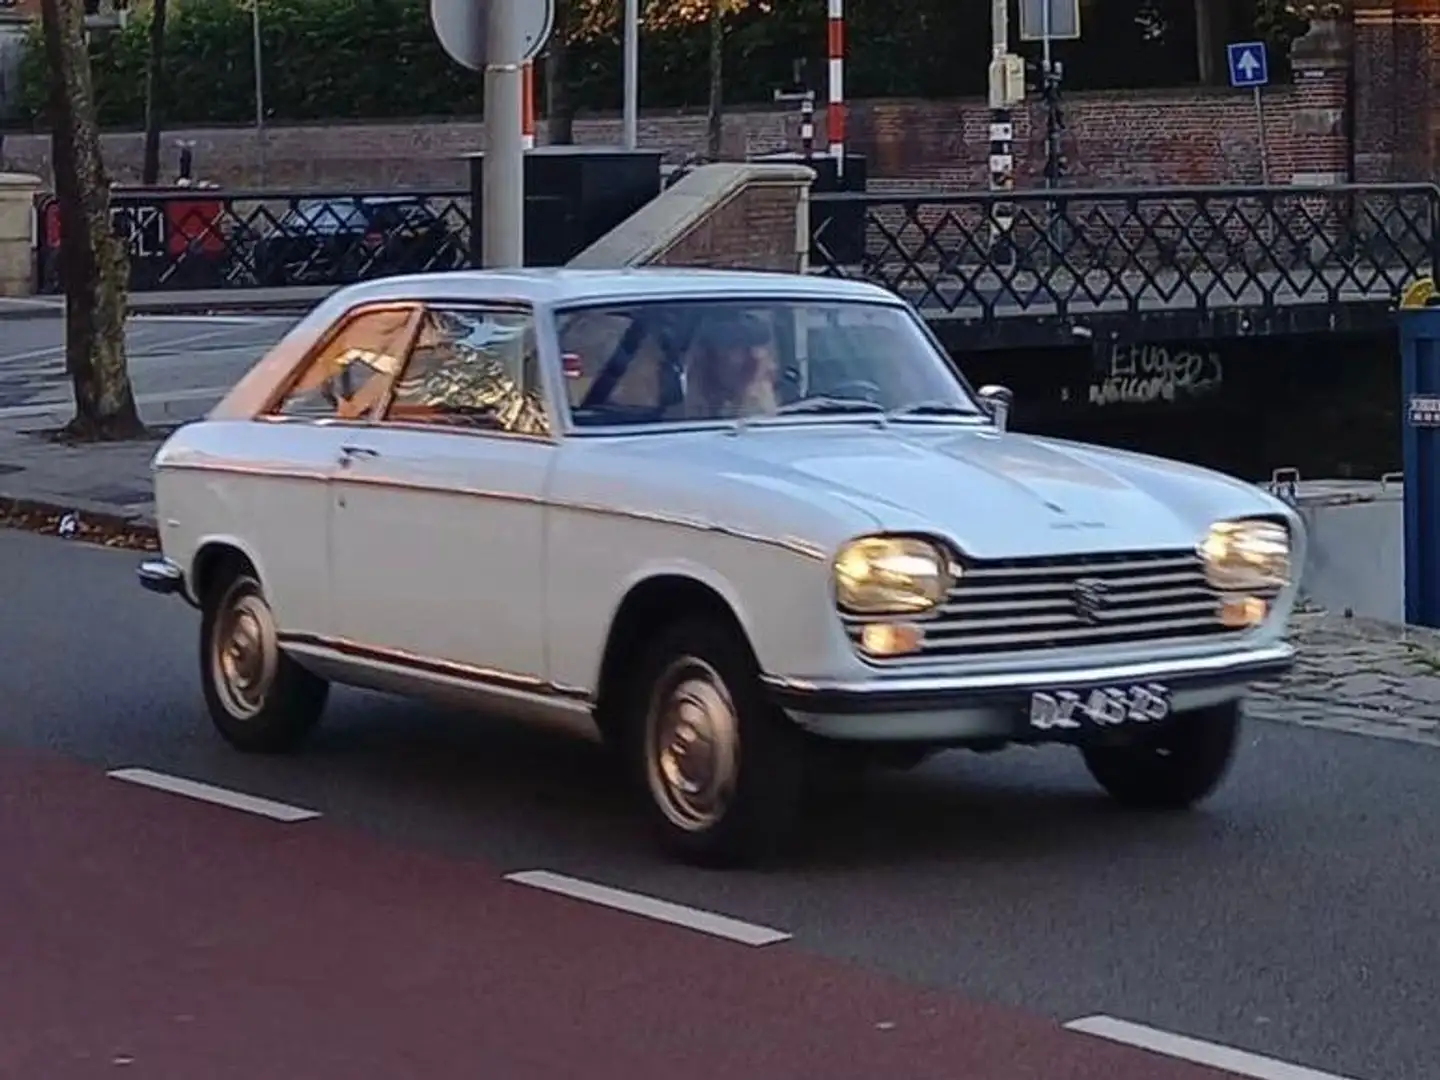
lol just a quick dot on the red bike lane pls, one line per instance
(145, 934)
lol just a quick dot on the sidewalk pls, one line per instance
(110, 480)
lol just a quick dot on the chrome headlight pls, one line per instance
(890, 575)
(1247, 556)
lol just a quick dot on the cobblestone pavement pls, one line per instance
(1358, 675)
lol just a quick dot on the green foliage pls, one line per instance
(376, 59)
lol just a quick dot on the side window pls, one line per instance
(473, 367)
(348, 377)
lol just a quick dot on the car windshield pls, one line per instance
(651, 362)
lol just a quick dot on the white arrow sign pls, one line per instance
(1247, 64)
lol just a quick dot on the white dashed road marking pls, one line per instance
(236, 800)
(647, 906)
(1201, 1053)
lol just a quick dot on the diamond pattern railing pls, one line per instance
(1132, 252)
(199, 239)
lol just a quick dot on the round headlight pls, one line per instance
(1247, 556)
(890, 575)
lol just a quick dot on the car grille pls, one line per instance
(1009, 605)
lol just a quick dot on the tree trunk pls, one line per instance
(716, 115)
(559, 101)
(1206, 68)
(94, 262)
(154, 83)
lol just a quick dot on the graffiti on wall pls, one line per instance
(1145, 374)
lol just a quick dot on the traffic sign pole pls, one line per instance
(632, 74)
(1250, 69)
(503, 213)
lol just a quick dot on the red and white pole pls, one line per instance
(835, 109)
(527, 106)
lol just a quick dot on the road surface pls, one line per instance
(943, 923)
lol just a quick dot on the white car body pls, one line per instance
(440, 562)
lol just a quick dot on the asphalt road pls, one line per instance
(179, 365)
(1292, 916)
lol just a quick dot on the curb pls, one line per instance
(17, 312)
(137, 525)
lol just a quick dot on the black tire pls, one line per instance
(1172, 767)
(285, 702)
(705, 656)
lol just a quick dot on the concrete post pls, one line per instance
(17, 217)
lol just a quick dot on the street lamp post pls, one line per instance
(259, 86)
(631, 110)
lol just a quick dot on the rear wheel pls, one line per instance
(721, 769)
(260, 700)
(1172, 767)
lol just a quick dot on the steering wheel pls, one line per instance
(868, 391)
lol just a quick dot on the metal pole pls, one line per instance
(503, 213)
(1002, 131)
(259, 86)
(835, 105)
(1045, 82)
(632, 74)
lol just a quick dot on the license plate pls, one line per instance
(1107, 706)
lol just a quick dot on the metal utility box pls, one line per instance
(837, 228)
(1420, 381)
(573, 196)
(1355, 557)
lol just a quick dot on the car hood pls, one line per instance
(994, 494)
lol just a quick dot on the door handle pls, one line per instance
(349, 452)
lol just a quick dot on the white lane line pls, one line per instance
(706, 922)
(1201, 1053)
(236, 800)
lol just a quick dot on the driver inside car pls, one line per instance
(734, 372)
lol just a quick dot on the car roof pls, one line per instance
(564, 286)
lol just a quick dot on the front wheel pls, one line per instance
(260, 700)
(1172, 767)
(721, 768)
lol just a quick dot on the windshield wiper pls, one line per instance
(829, 405)
(935, 408)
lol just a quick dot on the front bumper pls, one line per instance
(960, 707)
(161, 576)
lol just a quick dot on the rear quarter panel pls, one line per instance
(260, 488)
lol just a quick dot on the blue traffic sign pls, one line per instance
(1249, 65)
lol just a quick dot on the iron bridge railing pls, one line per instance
(1132, 253)
(194, 238)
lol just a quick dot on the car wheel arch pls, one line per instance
(654, 600)
(212, 556)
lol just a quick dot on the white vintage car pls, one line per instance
(750, 524)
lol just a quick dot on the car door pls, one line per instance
(437, 549)
(297, 448)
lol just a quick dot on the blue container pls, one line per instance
(1420, 381)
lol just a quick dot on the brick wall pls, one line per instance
(755, 230)
(1178, 137)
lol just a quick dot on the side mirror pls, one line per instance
(999, 400)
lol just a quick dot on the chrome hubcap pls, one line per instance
(244, 654)
(692, 745)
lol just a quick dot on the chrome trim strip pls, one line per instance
(491, 677)
(1027, 678)
(793, 544)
